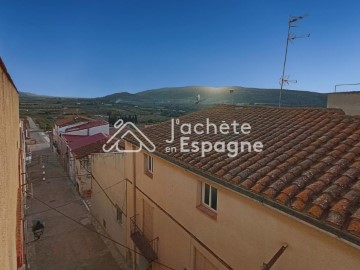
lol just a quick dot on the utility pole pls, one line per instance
(290, 37)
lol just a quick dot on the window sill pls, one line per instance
(207, 211)
(149, 174)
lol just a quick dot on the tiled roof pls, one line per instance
(309, 166)
(87, 125)
(73, 119)
(88, 145)
(71, 138)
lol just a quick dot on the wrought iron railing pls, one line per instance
(149, 248)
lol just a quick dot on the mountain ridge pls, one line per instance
(208, 96)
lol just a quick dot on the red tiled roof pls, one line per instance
(88, 145)
(87, 125)
(71, 138)
(309, 166)
(73, 119)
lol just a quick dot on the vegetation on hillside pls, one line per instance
(157, 105)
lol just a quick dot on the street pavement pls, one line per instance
(64, 244)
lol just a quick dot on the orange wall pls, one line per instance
(9, 170)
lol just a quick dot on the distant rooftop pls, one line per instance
(70, 120)
(88, 145)
(71, 138)
(87, 125)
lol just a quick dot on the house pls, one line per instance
(295, 204)
(62, 124)
(89, 128)
(78, 160)
(12, 176)
(65, 140)
(74, 128)
(347, 101)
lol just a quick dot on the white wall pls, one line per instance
(91, 131)
(62, 129)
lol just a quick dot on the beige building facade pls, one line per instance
(243, 235)
(11, 167)
(109, 198)
(166, 204)
(295, 204)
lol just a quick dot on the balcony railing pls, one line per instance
(149, 248)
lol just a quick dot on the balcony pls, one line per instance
(148, 248)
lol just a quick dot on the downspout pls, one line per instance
(134, 198)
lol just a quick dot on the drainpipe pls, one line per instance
(134, 198)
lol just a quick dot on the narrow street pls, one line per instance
(65, 244)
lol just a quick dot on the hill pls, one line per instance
(211, 95)
(158, 105)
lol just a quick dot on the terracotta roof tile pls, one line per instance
(88, 145)
(73, 119)
(354, 225)
(310, 161)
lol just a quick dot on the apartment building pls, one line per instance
(12, 176)
(294, 205)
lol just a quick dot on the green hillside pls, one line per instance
(210, 95)
(157, 105)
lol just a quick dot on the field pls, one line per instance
(158, 105)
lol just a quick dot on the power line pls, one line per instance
(94, 231)
(93, 177)
(60, 206)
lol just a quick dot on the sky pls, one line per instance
(94, 48)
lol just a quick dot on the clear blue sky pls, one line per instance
(94, 48)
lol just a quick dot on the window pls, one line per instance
(149, 165)
(118, 214)
(209, 196)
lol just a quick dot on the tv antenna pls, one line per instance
(290, 38)
(231, 91)
(286, 80)
(198, 99)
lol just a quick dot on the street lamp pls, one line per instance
(38, 229)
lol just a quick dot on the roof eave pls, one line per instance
(348, 237)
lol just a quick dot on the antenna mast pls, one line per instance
(290, 38)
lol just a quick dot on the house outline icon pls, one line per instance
(119, 125)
